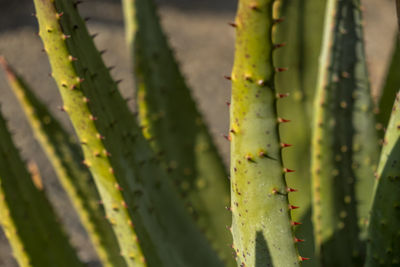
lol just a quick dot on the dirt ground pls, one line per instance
(203, 43)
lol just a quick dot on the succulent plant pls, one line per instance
(152, 190)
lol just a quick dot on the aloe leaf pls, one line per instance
(66, 158)
(344, 138)
(383, 248)
(259, 195)
(138, 198)
(174, 126)
(300, 35)
(29, 222)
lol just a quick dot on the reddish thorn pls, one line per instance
(59, 15)
(297, 240)
(228, 77)
(93, 118)
(283, 145)
(64, 36)
(279, 20)
(291, 207)
(111, 170)
(233, 24)
(282, 120)
(281, 69)
(228, 104)
(71, 58)
(123, 203)
(291, 189)
(279, 45)
(296, 223)
(118, 187)
(282, 95)
(303, 258)
(227, 137)
(288, 170)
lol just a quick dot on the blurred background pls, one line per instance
(204, 44)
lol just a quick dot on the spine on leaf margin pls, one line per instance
(261, 227)
(66, 158)
(344, 138)
(29, 222)
(126, 171)
(174, 126)
(383, 247)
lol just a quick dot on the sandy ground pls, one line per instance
(204, 45)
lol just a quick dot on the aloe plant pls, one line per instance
(163, 186)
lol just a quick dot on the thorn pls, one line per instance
(80, 80)
(288, 170)
(261, 82)
(84, 162)
(119, 188)
(100, 137)
(118, 81)
(291, 207)
(86, 100)
(291, 189)
(281, 120)
(108, 154)
(111, 68)
(228, 77)
(33, 14)
(228, 103)
(71, 58)
(281, 69)
(64, 36)
(262, 154)
(295, 223)
(228, 208)
(227, 137)
(282, 95)
(283, 145)
(123, 203)
(303, 258)
(233, 24)
(249, 157)
(279, 20)
(279, 45)
(298, 240)
(94, 35)
(111, 170)
(59, 15)
(93, 118)
(103, 51)
(61, 108)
